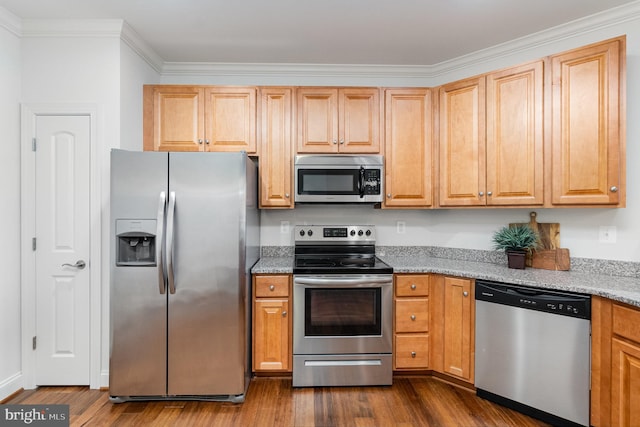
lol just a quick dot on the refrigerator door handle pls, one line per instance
(162, 204)
(170, 231)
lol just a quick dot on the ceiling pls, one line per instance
(374, 32)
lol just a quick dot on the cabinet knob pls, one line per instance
(286, 195)
(489, 193)
(206, 141)
(614, 189)
(481, 193)
(413, 317)
(413, 354)
(271, 287)
(388, 195)
(335, 141)
(199, 141)
(465, 293)
(341, 140)
(413, 286)
(284, 314)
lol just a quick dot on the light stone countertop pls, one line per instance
(618, 288)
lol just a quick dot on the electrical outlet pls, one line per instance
(608, 234)
(400, 227)
(284, 227)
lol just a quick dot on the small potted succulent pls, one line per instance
(517, 241)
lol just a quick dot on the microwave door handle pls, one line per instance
(361, 182)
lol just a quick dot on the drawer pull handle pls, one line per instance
(284, 314)
(413, 286)
(413, 317)
(271, 287)
(413, 354)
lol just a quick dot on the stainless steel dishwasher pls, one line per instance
(533, 351)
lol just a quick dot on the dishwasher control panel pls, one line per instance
(549, 301)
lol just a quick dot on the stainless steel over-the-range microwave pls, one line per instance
(339, 178)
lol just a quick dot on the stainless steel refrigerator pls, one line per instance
(184, 236)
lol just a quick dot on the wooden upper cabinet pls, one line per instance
(230, 119)
(338, 120)
(276, 151)
(515, 136)
(173, 118)
(408, 148)
(588, 142)
(462, 143)
(199, 118)
(492, 139)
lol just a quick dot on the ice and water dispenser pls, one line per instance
(136, 242)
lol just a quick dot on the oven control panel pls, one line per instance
(335, 233)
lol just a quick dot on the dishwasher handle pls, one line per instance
(549, 301)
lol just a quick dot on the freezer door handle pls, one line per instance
(170, 237)
(162, 204)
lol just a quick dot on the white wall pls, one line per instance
(10, 332)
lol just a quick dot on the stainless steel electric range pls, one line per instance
(342, 308)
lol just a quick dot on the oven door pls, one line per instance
(342, 314)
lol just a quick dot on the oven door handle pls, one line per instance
(341, 280)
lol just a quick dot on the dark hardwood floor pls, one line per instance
(411, 401)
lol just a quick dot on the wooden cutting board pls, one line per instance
(549, 255)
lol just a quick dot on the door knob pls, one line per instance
(80, 265)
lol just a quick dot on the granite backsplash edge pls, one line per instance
(585, 265)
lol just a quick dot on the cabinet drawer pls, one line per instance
(626, 322)
(271, 286)
(411, 351)
(412, 315)
(412, 285)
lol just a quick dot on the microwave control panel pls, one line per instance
(372, 181)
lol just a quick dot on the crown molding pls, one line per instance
(293, 70)
(71, 27)
(608, 18)
(10, 22)
(141, 48)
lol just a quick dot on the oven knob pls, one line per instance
(310, 233)
(360, 232)
(368, 233)
(352, 232)
(302, 233)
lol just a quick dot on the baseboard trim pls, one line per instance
(10, 387)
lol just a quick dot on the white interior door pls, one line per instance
(62, 248)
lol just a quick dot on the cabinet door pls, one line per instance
(408, 148)
(453, 325)
(271, 338)
(587, 142)
(458, 328)
(230, 119)
(317, 120)
(462, 143)
(625, 383)
(173, 118)
(515, 136)
(276, 131)
(359, 120)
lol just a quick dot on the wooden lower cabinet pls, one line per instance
(453, 326)
(411, 322)
(615, 366)
(272, 327)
